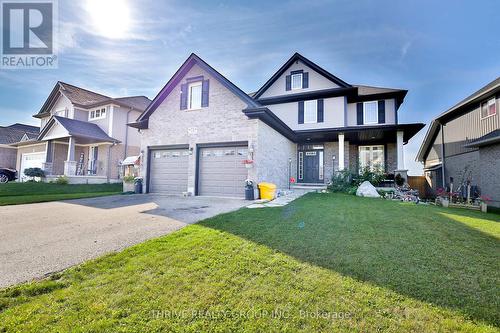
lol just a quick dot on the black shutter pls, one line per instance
(288, 82)
(359, 113)
(320, 111)
(305, 80)
(381, 112)
(184, 96)
(301, 112)
(204, 94)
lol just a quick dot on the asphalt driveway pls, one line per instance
(39, 239)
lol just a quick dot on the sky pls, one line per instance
(441, 51)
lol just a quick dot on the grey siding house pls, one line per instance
(84, 135)
(463, 144)
(203, 135)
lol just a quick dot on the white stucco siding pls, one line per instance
(390, 113)
(333, 114)
(222, 121)
(316, 82)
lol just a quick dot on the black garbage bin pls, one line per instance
(138, 185)
(249, 191)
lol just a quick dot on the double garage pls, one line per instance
(219, 169)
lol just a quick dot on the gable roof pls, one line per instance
(455, 111)
(26, 128)
(84, 98)
(15, 133)
(78, 128)
(309, 63)
(142, 121)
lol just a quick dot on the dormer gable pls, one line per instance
(299, 75)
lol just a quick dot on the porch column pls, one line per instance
(70, 163)
(399, 149)
(400, 156)
(341, 151)
(49, 152)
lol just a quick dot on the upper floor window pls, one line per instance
(489, 108)
(370, 112)
(296, 81)
(97, 114)
(194, 95)
(310, 112)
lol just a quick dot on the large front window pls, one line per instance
(370, 112)
(194, 97)
(310, 112)
(371, 157)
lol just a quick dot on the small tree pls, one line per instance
(34, 173)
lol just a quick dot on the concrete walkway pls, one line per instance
(283, 200)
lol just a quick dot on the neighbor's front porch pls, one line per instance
(77, 150)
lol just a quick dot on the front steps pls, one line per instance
(308, 186)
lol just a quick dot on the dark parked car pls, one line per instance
(7, 175)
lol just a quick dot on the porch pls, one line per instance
(78, 150)
(322, 153)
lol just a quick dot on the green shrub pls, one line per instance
(62, 180)
(128, 179)
(375, 176)
(34, 173)
(346, 181)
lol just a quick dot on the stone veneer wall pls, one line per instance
(490, 177)
(222, 121)
(273, 152)
(332, 149)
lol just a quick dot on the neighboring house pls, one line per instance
(203, 135)
(83, 135)
(471, 151)
(10, 135)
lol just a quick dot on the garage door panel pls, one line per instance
(222, 172)
(169, 171)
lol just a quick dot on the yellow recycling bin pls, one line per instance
(267, 191)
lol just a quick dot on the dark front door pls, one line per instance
(311, 167)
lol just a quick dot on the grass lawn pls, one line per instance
(326, 262)
(22, 193)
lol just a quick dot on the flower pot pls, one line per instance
(248, 165)
(484, 207)
(128, 187)
(445, 203)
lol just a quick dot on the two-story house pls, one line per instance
(463, 144)
(84, 135)
(203, 135)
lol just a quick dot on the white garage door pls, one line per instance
(222, 172)
(31, 160)
(169, 171)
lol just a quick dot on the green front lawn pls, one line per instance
(326, 262)
(30, 192)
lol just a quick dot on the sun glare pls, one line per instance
(109, 18)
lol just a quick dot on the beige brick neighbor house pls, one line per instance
(83, 135)
(205, 136)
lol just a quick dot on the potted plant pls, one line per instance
(483, 203)
(128, 184)
(442, 198)
(248, 164)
